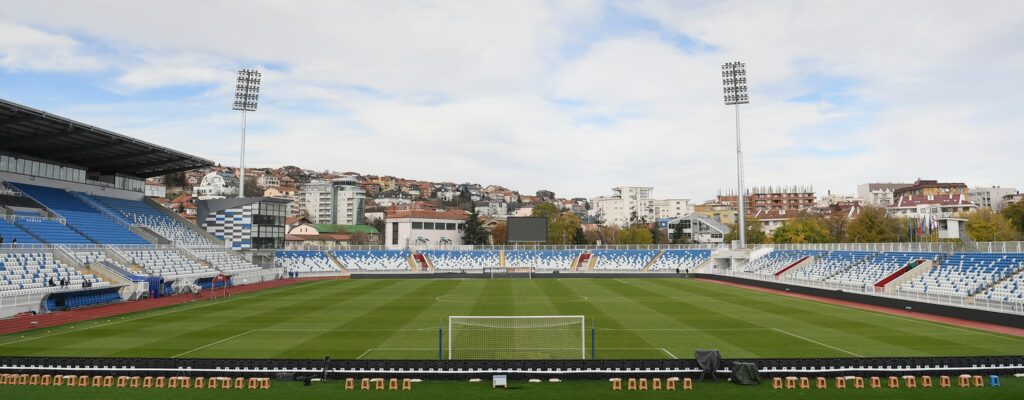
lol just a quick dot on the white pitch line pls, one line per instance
(816, 342)
(364, 353)
(205, 304)
(669, 353)
(345, 330)
(624, 282)
(214, 343)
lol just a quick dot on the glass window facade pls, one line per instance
(64, 173)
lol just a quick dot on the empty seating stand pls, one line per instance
(550, 260)
(623, 260)
(28, 273)
(684, 260)
(777, 260)
(374, 260)
(304, 261)
(82, 217)
(140, 212)
(873, 270)
(965, 274)
(830, 263)
(9, 232)
(463, 260)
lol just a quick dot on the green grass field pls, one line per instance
(398, 319)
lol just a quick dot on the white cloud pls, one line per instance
(487, 92)
(25, 48)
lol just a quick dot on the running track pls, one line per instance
(24, 323)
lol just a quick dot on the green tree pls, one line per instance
(836, 225)
(546, 210)
(805, 228)
(1015, 214)
(473, 232)
(874, 225)
(563, 227)
(984, 225)
(637, 234)
(754, 233)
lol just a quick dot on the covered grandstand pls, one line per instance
(77, 228)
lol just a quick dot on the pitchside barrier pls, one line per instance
(518, 369)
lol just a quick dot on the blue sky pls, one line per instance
(573, 96)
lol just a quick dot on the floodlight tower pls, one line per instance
(247, 95)
(734, 81)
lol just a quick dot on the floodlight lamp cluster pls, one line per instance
(734, 82)
(247, 90)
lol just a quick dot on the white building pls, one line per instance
(267, 181)
(619, 208)
(697, 228)
(216, 185)
(421, 227)
(879, 194)
(339, 201)
(938, 205)
(991, 197)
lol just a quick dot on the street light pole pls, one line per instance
(734, 81)
(247, 94)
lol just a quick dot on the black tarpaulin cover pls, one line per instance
(744, 373)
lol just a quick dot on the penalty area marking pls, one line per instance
(816, 342)
(474, 299)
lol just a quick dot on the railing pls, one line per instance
(957, 301)
(580, 247)
(31, 218)
(924, 247)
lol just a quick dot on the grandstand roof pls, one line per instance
(45, 136)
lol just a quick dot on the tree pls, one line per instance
(805, 228)
(874, 225)
(473, 232)
(659, 236)
(499, 235)
(251, 188)
(359, 238)
(984, 225)
(1015, 214)
(637, 234)
(836, 225)
(754, 233)
(546, 210)
(562, 229)
(379, 225)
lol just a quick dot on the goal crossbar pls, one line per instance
(516, 337)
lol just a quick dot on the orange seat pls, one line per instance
(790, 382)
(631, 384)
(910, 381)
(805, 383)
(134, 382)
(33, 379)
(776, 383)
(858, 382)
(670, 383)
(406, 384)
(821, 383)
(200, 382)
(44, 380)
(965, 380)
(239, 383)
(687, 384)
(83, 380)
(876, 382)
(350, 383)
(840, 382)
(655, 383)
(393, 384)
(894, 382)
(926, 381)
(364, 384)
(97, 381)
(641, 384)
(979, 381)
(147, 382)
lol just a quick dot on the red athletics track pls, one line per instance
(24, 323)
(892, 311)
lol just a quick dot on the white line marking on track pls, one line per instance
(816, 342)
(215, 343)
(205, 304)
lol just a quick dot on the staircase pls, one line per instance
(969, 242)
(334, 261)
(652, 261)
(803, 262)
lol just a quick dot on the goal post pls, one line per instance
(535, 337)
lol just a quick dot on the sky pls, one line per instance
(572, 96)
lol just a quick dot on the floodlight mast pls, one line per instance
(247, 94)
(734, 81)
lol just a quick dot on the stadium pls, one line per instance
(369, 247)
(104, 288)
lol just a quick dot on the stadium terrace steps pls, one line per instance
(10, 231)
(79, 216)
(803, 262)
(920, 269)
(653, 260)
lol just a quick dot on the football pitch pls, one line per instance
(651, 318)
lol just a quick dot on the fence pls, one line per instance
(928, 247)
(957, 301)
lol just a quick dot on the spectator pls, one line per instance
(51, 282)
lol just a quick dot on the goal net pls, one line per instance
(559, 337)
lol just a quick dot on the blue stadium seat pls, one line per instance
(80, 216)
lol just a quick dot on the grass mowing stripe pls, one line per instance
(876, 335)
(558, 287)
(177, 309)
